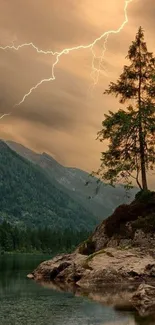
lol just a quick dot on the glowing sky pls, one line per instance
(60, 118)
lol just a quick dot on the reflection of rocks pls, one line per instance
(147, 320)
(124, 322)
(144, 299)
(116, 296)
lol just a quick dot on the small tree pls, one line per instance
(131, 132)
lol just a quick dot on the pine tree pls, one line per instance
(131, 132)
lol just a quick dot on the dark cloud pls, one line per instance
(48, 24)
(62, 117)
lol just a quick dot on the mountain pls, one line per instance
(72, 181)
(29, 198)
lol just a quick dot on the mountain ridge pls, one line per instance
(28, 198)
(72, 181)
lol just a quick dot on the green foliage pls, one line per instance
(90, 257)
(29, 199)
(131, 132)
(44, 240)
(144, 196)
(100, 252)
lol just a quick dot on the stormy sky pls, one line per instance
(62, 117)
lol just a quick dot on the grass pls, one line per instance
(90, 257)
(101, 251)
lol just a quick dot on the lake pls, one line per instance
(24, 302)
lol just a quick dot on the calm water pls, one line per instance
(24, 302)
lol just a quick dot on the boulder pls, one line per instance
(30, 276)
(110, 265)
(144, 300)
(61, 268)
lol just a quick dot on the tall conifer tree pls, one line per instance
(131, 131)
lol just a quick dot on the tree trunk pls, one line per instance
(141, 134)
(142, 158)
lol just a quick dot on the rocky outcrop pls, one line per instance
(120, 253)
(129, 226)
(65, 268)
(116, 272)
(108, 266)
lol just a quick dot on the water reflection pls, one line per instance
(24, 302)
(149, 320)
(116, 296)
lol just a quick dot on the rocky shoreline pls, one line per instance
(120, 254)
(128, 273)
(106, 266)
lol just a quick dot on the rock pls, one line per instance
(143, 240)
(144, 300)
(60, 268)
(107, 266)
(48, 270)
(115, 266)
(150, 270)
(30, 276)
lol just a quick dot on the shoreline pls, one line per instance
(115, 277)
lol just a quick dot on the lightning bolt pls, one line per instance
(95, 71)
(6, 114)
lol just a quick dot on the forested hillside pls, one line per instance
(46, 240)
(72, 181)
(28, 198)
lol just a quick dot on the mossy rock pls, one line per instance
(101, 251)
(91, 256)
(87, 247)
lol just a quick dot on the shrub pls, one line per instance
(145, 196)
(87, 247)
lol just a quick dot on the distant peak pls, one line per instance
(47, 156)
